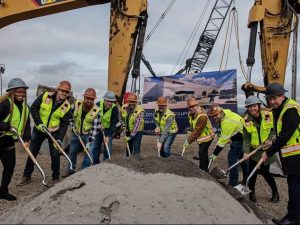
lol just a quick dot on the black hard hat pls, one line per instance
(275, 89)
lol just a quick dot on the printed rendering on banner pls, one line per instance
(46, 2)
(208, 87)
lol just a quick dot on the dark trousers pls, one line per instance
(203, 155)
(8, 159)
(166, 147)
(97, 145)
(37, 139)
(135, 144)
(294, 196)
(264, 171)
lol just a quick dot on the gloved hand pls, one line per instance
(267, 144)
(88, 146)
(41, 127)
(157, 131)
(59, 142)
(188, 130)
(186, 144)
(12, 129)
(106, 139)
(213, 157)
(159, 145)
(245, 156)
(128, 138)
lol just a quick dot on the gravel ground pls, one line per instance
(35, 188)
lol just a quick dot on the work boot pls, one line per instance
(55, 181)
(196, 157)
(275, 197)
(286, 221)
(67, 173)
(8, 197)
(24, 181)
(252, 196)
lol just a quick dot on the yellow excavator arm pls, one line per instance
(277, 19)
(127, 29)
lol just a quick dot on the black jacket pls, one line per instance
(290, 122)
(35, 112)
(4, 112)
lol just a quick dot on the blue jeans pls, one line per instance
(37, 139)
(235, 151)
(135, 144)
(75, 146)
(294, 196)
(96, 148)
(166, 147)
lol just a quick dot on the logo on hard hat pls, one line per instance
(45, 2)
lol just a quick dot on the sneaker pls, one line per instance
(8, 197)
(24, 181)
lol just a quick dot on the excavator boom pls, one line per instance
(128, 19)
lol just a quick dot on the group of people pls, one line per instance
(269, 131)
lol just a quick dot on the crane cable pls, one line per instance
(159, 21)
(233, 18)
(191, 37)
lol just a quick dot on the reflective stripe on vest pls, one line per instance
(266, 126)
(162, 121)
(88, 119)
(231, 124)
(138, 109)
(105, 117)
(207, 133)
(18, 120)
(292, 147)
(45, 110)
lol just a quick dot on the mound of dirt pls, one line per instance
(150, 190)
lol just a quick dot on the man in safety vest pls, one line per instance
(14, 113)
(84, 115)
(231, 126)
(258, 130)
(201, 131)
(166, 127)
(106, 122)
(287, 143)
(50, 110)
(133, 117)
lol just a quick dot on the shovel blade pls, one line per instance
(243, 189)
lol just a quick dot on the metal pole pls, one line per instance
(294, 64)
(2, 69)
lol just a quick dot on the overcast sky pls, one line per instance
(73, 45)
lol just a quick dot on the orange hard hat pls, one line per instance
(64, 85)
(191, 102)
(132, 97)
(162, 101)
(90, 93)
(214, 109)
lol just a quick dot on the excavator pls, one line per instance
(128, 21)
(277, 20)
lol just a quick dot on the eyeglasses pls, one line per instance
(64, 91)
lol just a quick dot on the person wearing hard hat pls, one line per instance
(14, 114)
(84, 115)
(231, 127)
(259, 130)
(50, 111)
(166, 127)
(133, 117)
(106, 122)
(201, 131)
(286, 113)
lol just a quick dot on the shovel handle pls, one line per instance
(83, 145)
(261, 161)
(158, 149)
(105, 143)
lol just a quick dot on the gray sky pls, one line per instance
(73, 45)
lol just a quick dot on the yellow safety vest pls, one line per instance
(138, 109)
(18, 120)
(208, 132)
(292, 147)
(52, 121)
(267, 123)
(88, 119)
(162, 121)
(231, 124)
(105, 117)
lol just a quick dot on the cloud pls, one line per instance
(205, 81)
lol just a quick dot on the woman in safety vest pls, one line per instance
(201, 131)
(259, 129)
(166, 127)
(14, 113)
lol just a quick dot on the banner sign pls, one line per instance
(208, 87)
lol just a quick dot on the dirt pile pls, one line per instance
(150, 190)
